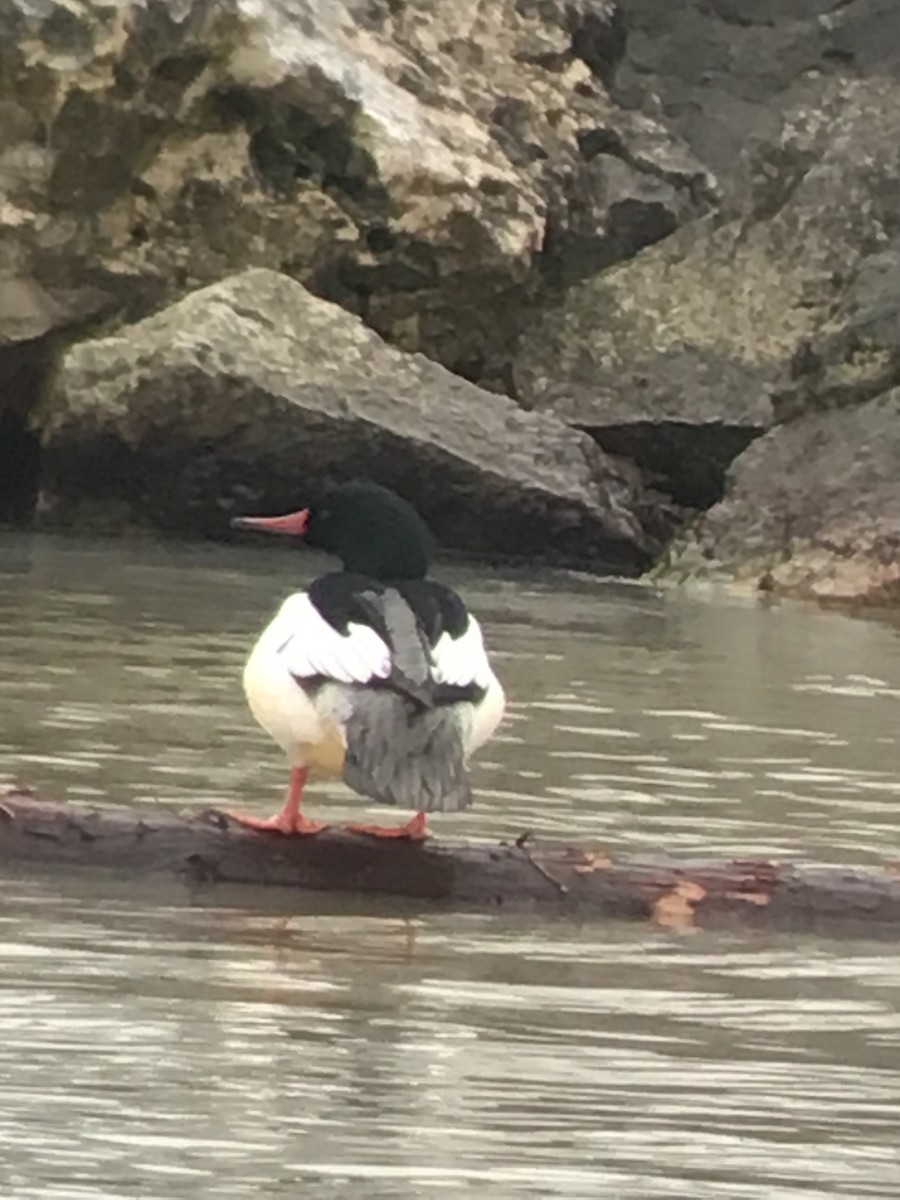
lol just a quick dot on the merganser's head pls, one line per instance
(368, 527)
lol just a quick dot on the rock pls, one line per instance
(856, 353)
(669, 227)
(250, 392)
(700, 332)
(812, 511)
(725, 75)
(667, 415)
(362, 147)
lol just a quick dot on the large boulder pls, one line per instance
(812, 511)
(411, 161)
(701, 334)
(251, 394)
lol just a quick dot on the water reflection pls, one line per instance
(190, 1045)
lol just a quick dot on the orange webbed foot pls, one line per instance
(287, 823)
(415, 830)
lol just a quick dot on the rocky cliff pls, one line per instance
(606, 282)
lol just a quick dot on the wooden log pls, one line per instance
(206, 848)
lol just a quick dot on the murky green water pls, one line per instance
(151, 1047)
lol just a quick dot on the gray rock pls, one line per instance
(855, 356)
(748, 289)
(524, 192)
(702, 331)
(726, 74)
(247, 394)
(362, 147)
(812, 511)
(666, 413)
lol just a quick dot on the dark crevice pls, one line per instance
(291, 147)
(20, 460)
(600, 140)
(685, 461)
(599, 39)
(24, 367)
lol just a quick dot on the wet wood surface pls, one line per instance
(584, 882)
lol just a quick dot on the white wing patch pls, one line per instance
(309, 646)
(461, 660)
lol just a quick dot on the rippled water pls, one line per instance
(154, 1047)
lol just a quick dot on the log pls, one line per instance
(208, 848)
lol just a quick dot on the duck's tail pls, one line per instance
(399, 752)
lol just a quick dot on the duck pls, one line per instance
(376, 674)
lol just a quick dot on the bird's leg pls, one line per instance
(415, 830)
(290, 819)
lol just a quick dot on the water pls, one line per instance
(157, 1046)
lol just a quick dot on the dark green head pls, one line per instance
(368, 527)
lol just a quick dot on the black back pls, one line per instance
(344, 597)
(410, 616)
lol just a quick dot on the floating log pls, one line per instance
(208, 848)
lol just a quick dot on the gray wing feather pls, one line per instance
(403, 747)
(400, 754)
(410, 653)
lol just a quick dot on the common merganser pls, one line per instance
(377, 673)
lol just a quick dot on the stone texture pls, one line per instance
(247, 394)
(407, 160)
(670, 226)
(668, 414)
(812, 511)
(855, 355)
(711, 326)
(748, 289)
(726, 74)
